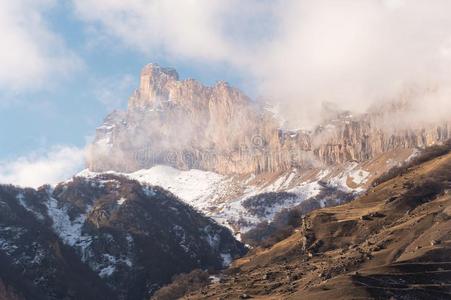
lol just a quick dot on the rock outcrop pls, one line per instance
(363, 138)
(185, 124)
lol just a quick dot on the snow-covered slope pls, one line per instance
(196, 187)
(224, 197)
(240, 202)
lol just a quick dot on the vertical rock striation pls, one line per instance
(185, 124)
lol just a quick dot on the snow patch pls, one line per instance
(211, 237)
(214, 279)
(194, 186)
(8, 237)
(69, 231)
(110, 264)
(21, 198)
(226, 259)
(148, 191)
(121, 201)
(107, 271)
(359, 176)
(414, 154)
(355, 173)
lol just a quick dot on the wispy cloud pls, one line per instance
(173, 27)
(301, 52)
(43, 167)
(31, 52)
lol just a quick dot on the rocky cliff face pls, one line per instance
(364, 137)
(185, 124)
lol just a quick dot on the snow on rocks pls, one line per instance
(8, 236)
(359, 176)
(107, 271)
(21, 199)
(226, 259)
(211, 237)
(194, 186)
(110, 264)
(352, 171)
(70, 231)
(216, 195)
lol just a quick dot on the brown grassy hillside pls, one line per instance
(394, 241)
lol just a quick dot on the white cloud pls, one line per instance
(36, 169)
(201, 29)
(30, 51)
(355, 53)
(301, 52)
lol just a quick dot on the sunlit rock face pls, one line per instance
(363, 138)
(184, 124)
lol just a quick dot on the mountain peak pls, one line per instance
(160, 86)
(154, 86)
(155, 71)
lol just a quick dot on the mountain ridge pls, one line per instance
(106, 237)
(184, 124)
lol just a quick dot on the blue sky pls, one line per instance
(65, 64)
(68, 110)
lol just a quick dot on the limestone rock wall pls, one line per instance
(185, 124)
